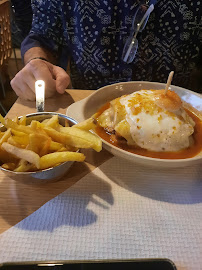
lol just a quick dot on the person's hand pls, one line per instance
(56, 79)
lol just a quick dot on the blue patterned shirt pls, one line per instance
(92, 33)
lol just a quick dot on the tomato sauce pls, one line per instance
(183, 154)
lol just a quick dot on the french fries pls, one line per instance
(25, 154)
(75, 137)
(43, 145)
(88, 124)
(51, 160)
(5, 137)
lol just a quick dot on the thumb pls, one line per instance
(62, 79)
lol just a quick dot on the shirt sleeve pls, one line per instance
(47, 30)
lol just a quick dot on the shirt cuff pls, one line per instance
(33, 40)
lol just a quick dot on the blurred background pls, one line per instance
(10, 97)
(15, 23)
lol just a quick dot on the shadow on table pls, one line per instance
(177, 185)
(65, 206)
(63, 101)
(75, 207)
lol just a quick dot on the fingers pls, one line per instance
(56, 79)
(22, 89)
(24, 83)
(27, 87)
(62, 79)
(43, 72)
(25, 94)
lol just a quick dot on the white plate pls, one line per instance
(85, 108)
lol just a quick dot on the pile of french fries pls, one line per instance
(46, 144)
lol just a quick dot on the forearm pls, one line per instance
(39, 52)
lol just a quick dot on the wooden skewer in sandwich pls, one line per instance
(170, 77)
(168, 99)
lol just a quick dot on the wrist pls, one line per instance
(39, 53)
(41, 58)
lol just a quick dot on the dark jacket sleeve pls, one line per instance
(47, 30)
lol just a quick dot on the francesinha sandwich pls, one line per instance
(154, 120)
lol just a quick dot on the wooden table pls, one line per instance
(17, 200)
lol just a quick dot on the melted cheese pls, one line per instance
(149, 122)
